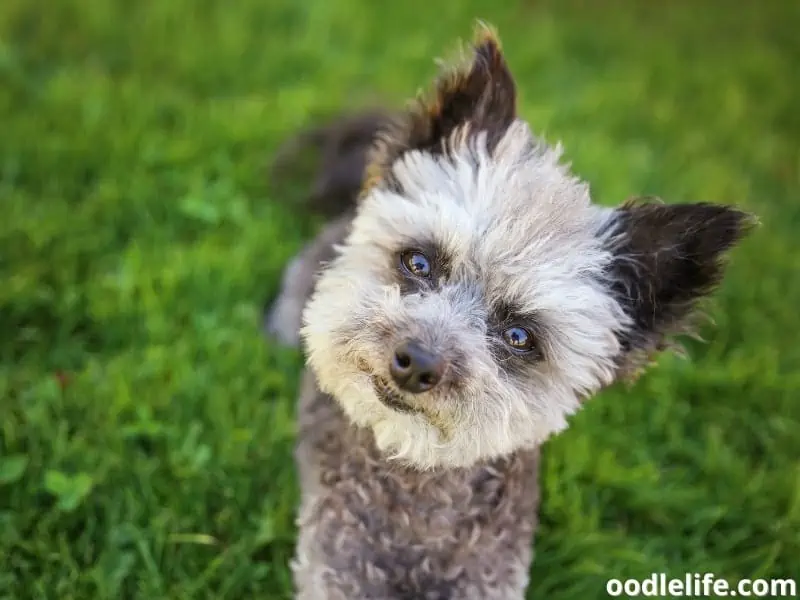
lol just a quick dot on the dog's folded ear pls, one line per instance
(666, 259)
(475, 94)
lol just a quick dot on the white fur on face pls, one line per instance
(517, 229)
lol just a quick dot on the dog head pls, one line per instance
(481, 296)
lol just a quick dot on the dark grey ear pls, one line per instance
(481, 91)
(668, 257)
(478, 92)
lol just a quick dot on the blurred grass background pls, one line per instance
(147, 428)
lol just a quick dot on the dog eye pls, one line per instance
(416, 263)
(519, 338)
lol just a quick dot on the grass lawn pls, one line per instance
(147, 428)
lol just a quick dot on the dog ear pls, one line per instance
(666, 259)
(479, 91)
(477, 94)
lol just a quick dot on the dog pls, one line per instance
(466, 298)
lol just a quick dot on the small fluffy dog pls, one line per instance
(468, 299)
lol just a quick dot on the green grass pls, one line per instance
(147, 429)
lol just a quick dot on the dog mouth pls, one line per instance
(389, 397)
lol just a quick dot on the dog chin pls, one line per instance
(406, 436)
(400, 433)
(360, 400)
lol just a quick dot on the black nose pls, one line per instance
(414, 369)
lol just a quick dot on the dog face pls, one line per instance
(481, 296)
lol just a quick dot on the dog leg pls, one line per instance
(284, 317)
